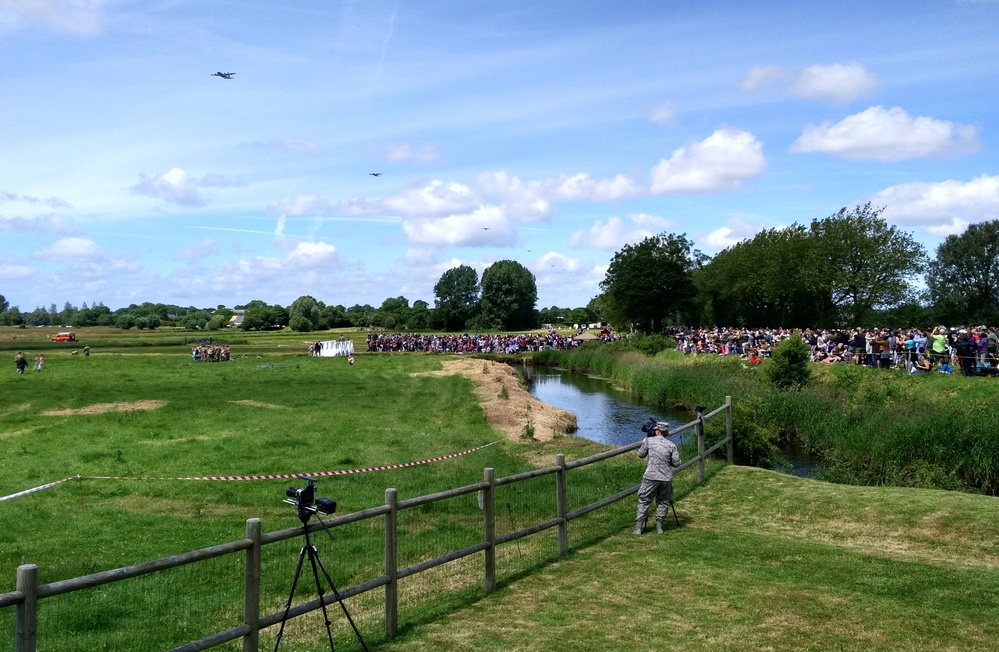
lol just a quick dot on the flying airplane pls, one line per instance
(223, 75)
(375, 174)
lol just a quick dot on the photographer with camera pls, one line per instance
(657, 482)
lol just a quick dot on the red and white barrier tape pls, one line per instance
(39, 488)
(270, 476)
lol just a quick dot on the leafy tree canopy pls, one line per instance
(509, 296)
(963, 279)
(649, 284)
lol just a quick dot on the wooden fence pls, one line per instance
(28, 592)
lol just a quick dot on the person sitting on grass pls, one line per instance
(921, 365)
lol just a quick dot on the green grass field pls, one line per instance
(762, 561)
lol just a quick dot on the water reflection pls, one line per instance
(610, 415)
(604, 413)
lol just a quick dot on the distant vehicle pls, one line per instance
(223, 75)
(64, 337)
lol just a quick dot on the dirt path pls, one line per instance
(514, 409)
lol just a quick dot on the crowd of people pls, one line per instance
(468, 343)
(211, 353)
(970, 350)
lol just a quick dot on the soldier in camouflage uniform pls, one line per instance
(657, 482)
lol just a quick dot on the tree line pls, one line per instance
(849, 269)
(503, 299)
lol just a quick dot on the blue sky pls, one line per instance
(550, 133)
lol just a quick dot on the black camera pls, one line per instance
(649, 427)
(304, 498)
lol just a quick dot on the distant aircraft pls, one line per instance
(375, 174)
(485, 228)
(223, 75)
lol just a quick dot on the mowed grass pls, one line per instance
(280, 413)
(762, 561)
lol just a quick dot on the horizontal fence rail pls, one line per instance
(28, 592)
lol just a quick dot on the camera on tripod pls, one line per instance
(304, 498)
(649, 427)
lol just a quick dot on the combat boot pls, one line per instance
(659, 526)
(638, 527)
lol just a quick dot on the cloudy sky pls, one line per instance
(550, 133)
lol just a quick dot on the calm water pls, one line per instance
(603, 412)
(609, 415)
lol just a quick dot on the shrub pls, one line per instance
(789, 366)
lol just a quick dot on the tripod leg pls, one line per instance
(675, 517)
(313, 558)
(343, 607)
(287, 606)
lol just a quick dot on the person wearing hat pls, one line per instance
(657, 482)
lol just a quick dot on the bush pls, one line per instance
(300, 324)
(789, 366)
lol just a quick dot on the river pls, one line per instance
(610, 415)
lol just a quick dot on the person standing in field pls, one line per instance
(20, 363)
(39, 362)
(657, 482)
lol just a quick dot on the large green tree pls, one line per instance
(963, 279)
(649, 284)
(509, 296)
(308, 309)
(865, 263)
(767, 280)
(456, 297)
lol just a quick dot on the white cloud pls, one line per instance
(941, 207)
(198, 250)
(485, 226)
(838, 83)
(580, 187)
(406, 153)
(309, 255)
(716, 164)
(734, 231)
(53, 202)
(954, 227)
(663, 114)
(79, 17)
(49, 223)
(532, 200)
(178, 187)
(615, 233)
(721, 238)
(72, 250)
(11, 272)
(433, 199)
(887, 135)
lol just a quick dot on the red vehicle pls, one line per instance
(64, 337)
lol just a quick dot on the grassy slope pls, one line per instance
(763, 561)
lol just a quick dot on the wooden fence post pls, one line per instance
(489, 509)
(699, 429)
(729, 430)
(251, 587)
(26, 620)
(391, 564)
(560, 506)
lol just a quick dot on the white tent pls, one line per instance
(333, 348)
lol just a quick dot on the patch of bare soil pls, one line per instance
(101, 408)
(508, 406)
(271, 406)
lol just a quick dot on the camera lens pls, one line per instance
(292, 492)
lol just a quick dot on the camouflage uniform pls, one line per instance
(657, 482)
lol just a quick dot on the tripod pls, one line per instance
(310, 551)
